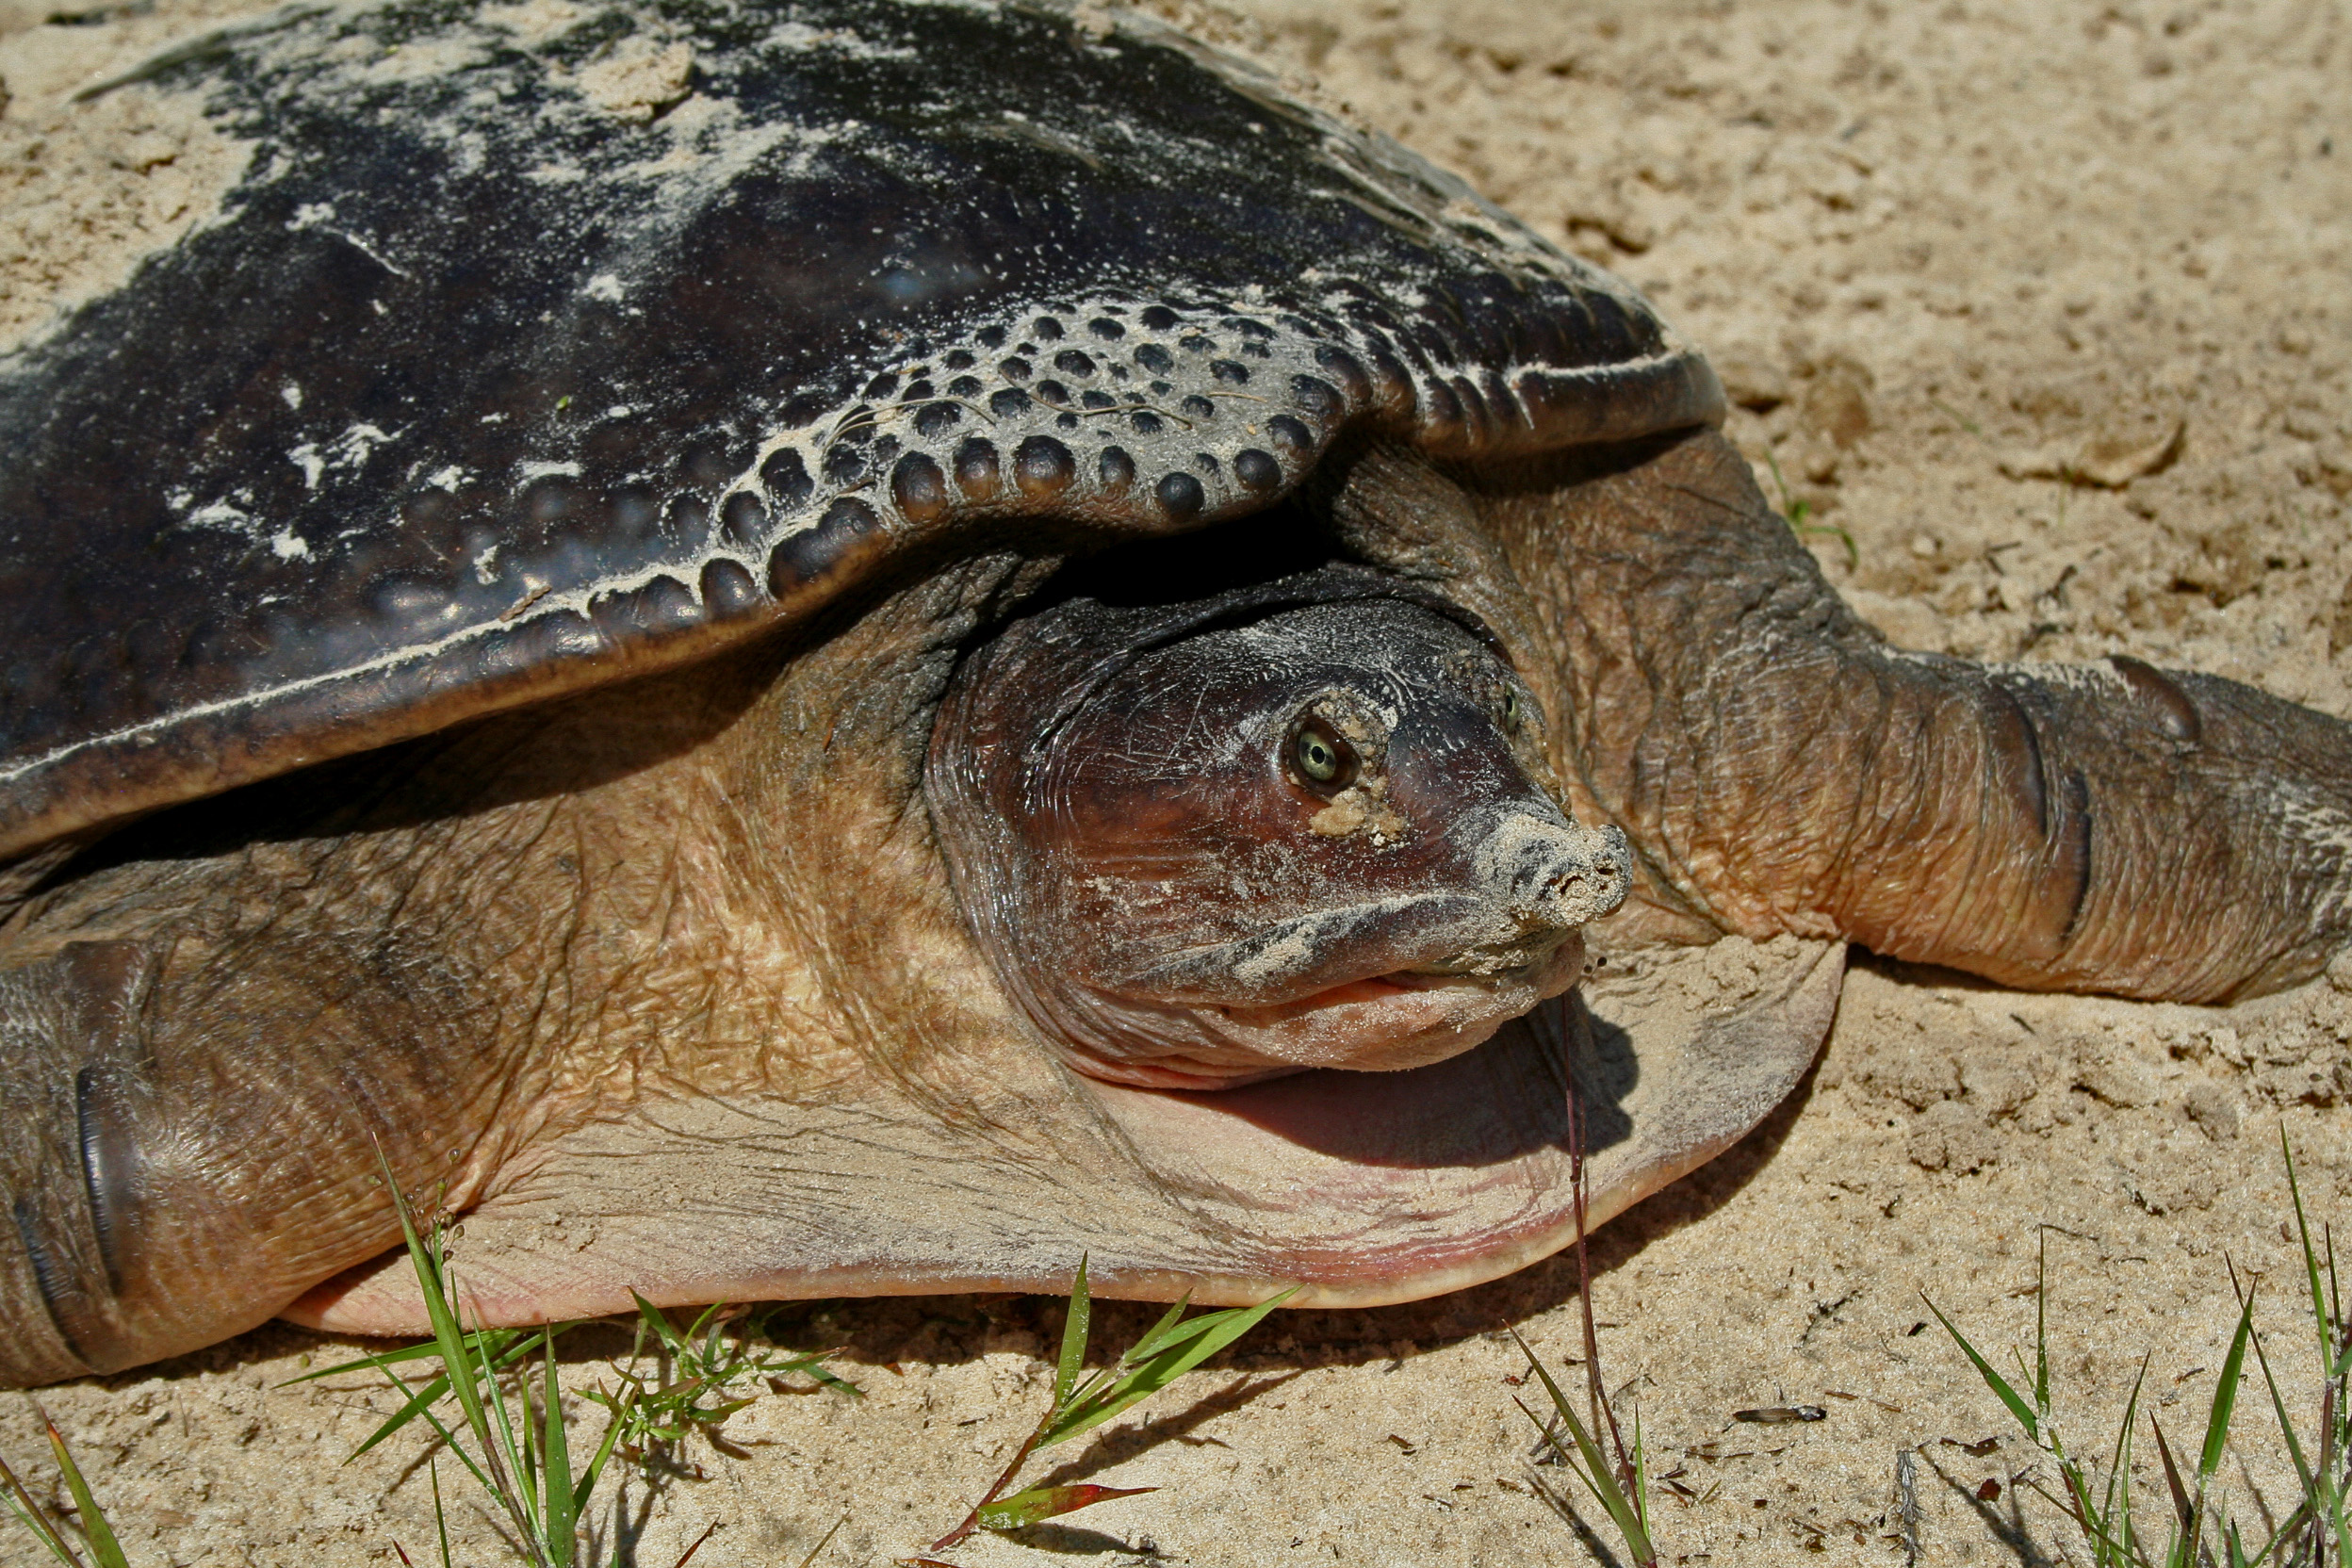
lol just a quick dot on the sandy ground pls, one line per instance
(1947, 256)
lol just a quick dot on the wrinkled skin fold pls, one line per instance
(688, 948)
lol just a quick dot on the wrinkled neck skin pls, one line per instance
(1292, 827)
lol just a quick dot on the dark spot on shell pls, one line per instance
(987, 337)
(1206, 462)
(1442, 415)
(1015, 368)
(1257, 350)
(1160, 389)
(1070, 362)
(1047, 329)
(1043, 467)
(975, 469)
(1257, 330)
(1011, 403)
(1146, 424)
(786, 478)
(1116, 468)
(1343, 368)
(1231, 371)
(937, 418)
(882, 385)
(1196, 344)
(551, 500)
(427, 508)
(1257, 470)
(1155, 359)
(1197, 407)
(964, 386)
(1052, 393)
(743, 519)
(1181, 496)
(814, 553)
(920, 391)
(1159, 319)
(1097, 399)
(804, 408)
(649, 610)
(844, 464)
(960, 360)
(920, 488)
(687, 518)
(1106, 329)
(1066, 422)
(728, 591)
(632, 513)
(1290, 434)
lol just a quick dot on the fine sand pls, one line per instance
(1946, 255)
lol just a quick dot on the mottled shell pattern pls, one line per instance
(496, 376)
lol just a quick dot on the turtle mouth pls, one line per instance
(1384, 1023)
(1366, 1187)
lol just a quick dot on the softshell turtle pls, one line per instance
(815, 649)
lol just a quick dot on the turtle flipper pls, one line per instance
(2106, 828)
(159, 1193)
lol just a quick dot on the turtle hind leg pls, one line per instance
(2101, 828)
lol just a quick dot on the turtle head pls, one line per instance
(1295, 825)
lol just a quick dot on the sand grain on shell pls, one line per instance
(1950, 259)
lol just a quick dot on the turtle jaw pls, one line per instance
(1389, 1022)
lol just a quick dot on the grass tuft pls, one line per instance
(1173, 1346)
(2201, 1532)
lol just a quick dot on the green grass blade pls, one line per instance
(2225, 1398)
(555, 1446)
(503, 1347)
(29, 1514)
(383, 1358)
(2117, 1532)
(587, 1482)
(439, 1310)
(1047, 1502)
(655, 1319)
(103, 1546)
(440, 1518)
(814, 1366)
(2187, 1512)
(1182, 1351)
(1994, 1380)
(1595, 1471)
(2309, 1484)
(2310, 1258)
(1076, 1323)
(2041, 1325)
(1149, 1345)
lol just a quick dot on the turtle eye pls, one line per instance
(1319, 758)
(1511, 709)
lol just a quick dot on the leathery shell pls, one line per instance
(490, 380)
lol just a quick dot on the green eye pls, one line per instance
(1510, 708)
(1319, 758)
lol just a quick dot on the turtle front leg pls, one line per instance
(1778, 767)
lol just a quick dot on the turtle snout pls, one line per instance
(1551, 875)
